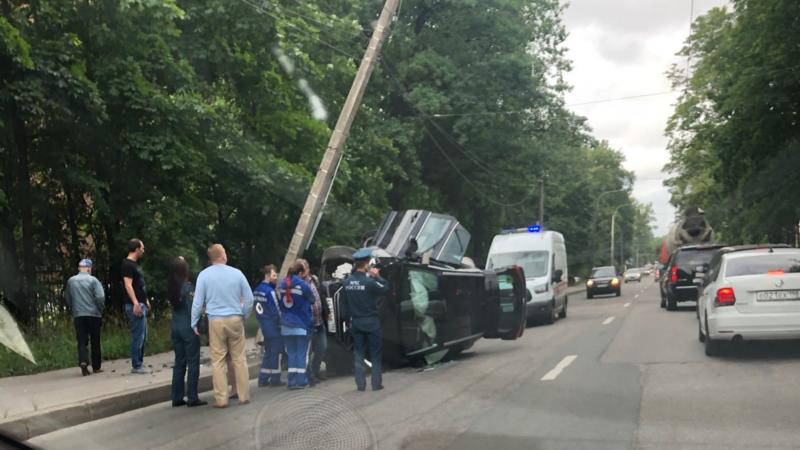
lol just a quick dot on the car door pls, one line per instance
(505, 303)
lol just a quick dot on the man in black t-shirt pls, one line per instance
(136, 303)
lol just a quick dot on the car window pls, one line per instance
(763, 264)
(603, 272)
(533, 263)
(688, 259)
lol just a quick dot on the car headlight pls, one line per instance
(589, 283)
(541, 288)
(614, 281)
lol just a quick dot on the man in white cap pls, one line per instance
(85, 297)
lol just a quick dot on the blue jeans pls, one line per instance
(319, 343)
(187, 356)
(138, 334)
(367, 336)
(297, 346)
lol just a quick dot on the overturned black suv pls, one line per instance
(439, 303)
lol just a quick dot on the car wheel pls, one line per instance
(619, 292)
(713, 346)
(663, 302)
(588, 295)
(700, 336)
(551, 318)
(563, 313)
(672, 305)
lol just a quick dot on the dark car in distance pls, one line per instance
(679, 281)
(603, 280)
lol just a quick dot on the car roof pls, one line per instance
(745, 250)
(604, 267)
(701, 247)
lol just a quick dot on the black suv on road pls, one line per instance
(604, 280)
(679, 281)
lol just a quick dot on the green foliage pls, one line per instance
(190, 122)
(734, 133)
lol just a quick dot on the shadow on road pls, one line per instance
(761, 350)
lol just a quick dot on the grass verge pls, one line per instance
(56, 347)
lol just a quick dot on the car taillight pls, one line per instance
(673, 274)
(775, 273)
(725, 297)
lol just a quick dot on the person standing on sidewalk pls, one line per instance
(296, 324)
(224, 292)
(361, 309)
(137, 304)
(86, 298)
(269, 318)
(185, 343)
(319, 335)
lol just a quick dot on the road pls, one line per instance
(618, 372)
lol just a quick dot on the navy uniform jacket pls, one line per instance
(360, 304)
(267, 309)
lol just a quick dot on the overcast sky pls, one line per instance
(623, 48)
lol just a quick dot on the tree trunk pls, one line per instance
(25, 209)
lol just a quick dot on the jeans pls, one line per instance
(138, 334)
(319, 343)
(187, 356)
(367, 337)
(297, 346)
(87, 329)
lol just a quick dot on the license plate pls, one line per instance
(778, 296)
(602, 284)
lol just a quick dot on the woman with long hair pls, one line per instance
(297, 324)
(185, 342)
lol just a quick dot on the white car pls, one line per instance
(749, 293)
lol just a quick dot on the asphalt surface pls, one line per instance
(618, 372)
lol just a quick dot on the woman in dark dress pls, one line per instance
(184, 341)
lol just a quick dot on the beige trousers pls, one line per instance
(226, 337)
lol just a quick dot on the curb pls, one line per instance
(47, 421)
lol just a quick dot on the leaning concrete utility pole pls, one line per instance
(318, 196)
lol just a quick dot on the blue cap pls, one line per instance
(362, 254)
(86, 262)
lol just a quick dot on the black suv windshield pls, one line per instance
(603, 272)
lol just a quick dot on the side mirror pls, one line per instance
(557, 275)
(528, 296)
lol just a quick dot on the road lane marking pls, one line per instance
(553, 374)
(636, 296)
(608, 321)
(627, 304)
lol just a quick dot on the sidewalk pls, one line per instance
(31, 405)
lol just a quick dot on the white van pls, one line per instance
(543, 257)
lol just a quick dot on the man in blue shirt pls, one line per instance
(269, 319)
(85, 297)
(360, 307)
(226, 296)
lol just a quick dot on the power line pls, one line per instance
(298, 29)
(523, 111)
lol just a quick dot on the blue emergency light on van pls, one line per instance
(534, 228)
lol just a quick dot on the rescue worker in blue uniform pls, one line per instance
(297, 324)
(269, 318)
(360, 308)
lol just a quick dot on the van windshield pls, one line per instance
(533, 263)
